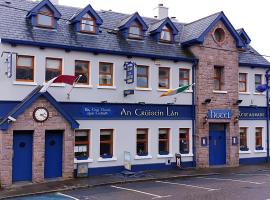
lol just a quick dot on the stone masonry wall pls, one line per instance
(26, 122)
(208, 58)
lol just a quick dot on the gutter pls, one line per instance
(194, 113)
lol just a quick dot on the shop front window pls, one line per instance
(82, 142)
(243, 139)
(258, 138)
(142, 142)
(106, 143)
(163, 136)
(184, 140)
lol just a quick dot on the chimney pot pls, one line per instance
(161, 11)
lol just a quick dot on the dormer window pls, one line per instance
(88, 24)
(135, 31)
(166, 34)
(45, 18)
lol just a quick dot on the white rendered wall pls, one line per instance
(124, 139)
(13, 90)
(251, 97)
(251, 125)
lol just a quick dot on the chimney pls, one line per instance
(161, 12)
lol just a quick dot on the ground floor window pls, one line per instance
(258, 138)
(142, 142)
(82, 142)
(243, 139)
(184, 140)
(106, 143)
(163, 141)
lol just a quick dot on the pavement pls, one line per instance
(25, 189)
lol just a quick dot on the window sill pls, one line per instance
(165, 156)
(163, 90)
(260, 94)
(142, 157)
(143, 89)
(220, 92)
(244, 93)
(189, 91)
(25, 83)
(83, 86)
(89, 160)
(107, 159)
(245, 152)
(260, 151)
(106, 87)
(187, 155)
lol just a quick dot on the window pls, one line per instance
(219, 35)
(218, 72)
(184, 140)
(183, 77)
(53, 68)
(45, 18)
(163, 141)
(135, 31)
(242, 82)
(82, 68)
(258, 135)
(166, 34)
(243, 139)
(88, 24)
(258, 80)
(105, 74)
(142, 76)
(142, 142)
(81, 148)
(25, 68)
(164, 78)
(106, 143)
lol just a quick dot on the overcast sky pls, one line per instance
(252, 15)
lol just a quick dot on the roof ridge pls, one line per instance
(203, 18)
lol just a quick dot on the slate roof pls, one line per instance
(19, 29)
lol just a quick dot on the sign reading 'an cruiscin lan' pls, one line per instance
(135, 112)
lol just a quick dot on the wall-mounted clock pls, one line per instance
(40, 114)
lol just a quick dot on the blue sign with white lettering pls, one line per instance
(252, 113)
(108, 111)
(219, 114)
(130, 69)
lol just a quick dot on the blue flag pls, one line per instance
(262, 88)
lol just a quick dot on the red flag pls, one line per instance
(68, 79)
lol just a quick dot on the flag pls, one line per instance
(68, 79)
(176, 91)
(262, 88)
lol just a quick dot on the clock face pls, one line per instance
(41, 114)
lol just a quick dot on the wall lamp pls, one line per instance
(206, 101)
(205, 119)
(239, 101)
(236, 120)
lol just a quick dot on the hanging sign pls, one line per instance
(9, 65)
(130, 72)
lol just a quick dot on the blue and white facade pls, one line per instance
(98, 107)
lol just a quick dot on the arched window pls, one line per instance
(45, 18)
(166, 34)
(88, 24)
(135, 31)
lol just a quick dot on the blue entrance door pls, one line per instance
(217, 147)
(22, 156)
(53, 154)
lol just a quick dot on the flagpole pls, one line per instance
(76, 81)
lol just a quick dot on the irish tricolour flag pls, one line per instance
(176, 91)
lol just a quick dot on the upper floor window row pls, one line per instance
(25, 72)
